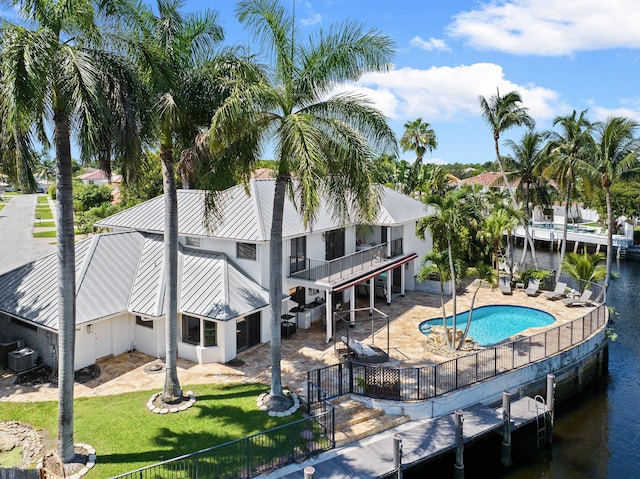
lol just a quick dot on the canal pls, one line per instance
(597, 434)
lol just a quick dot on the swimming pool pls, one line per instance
(492, 324)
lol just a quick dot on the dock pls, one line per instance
(422, 441)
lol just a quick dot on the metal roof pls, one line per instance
(124, 272)
(246, 215)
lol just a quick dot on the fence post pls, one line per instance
(248, 457)
(397, 454)
(350, 377)
(506, 431)
(458, 469)
(551, 395)
(309, 472)
(340, 379)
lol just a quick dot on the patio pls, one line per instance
(305, 351)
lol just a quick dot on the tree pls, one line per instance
(586, 268)
(615, 157)
(61, 70)
(418, 137)
(323, 143)
(528, 156)
(568, 154)
(503, 113)
(482, 272)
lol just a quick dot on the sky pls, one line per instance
(559, 55)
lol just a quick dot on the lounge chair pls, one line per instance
(556, 293)
(365, 353)
(583, 300)
(505, 286)
(533, 288)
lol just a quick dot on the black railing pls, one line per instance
(252, 455)
(340, 268)
(411, 384)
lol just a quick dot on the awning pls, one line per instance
(399, 261)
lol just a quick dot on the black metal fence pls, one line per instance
(252, 455)
(411, 384)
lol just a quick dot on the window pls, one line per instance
(246, 251)
(191, 241)
(191, 330)
(210, 333)
(142, 322)
(298, 254)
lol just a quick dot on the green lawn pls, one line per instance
(44, 213)
(44, 224)
(43, 199)
(45, 234)
(2, 205)
(127, 436)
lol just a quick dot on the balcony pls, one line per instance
(359, 264)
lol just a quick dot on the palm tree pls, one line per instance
(503, 113)
(568, 155)
(438, 262)
(482, 272)
(177, 56)
(418, 137)
(61, 70)
(449, 228)
(615, 157)
(586, 268)
(323, 143)
(532, 187)
(493, 231)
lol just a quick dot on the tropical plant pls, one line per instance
(323, 144)
(483, 273)
(501, 114)
(419, 137)
(567, 161)
(584, 267)
(615, 157)
(493, 231)
(437, 262)
(58, 67)
(46, 168)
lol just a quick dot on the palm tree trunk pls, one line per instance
(66, 286)
(563, 249)
(275, 283)
(171, 391)
(470, 315)
(527, 235)
(444, 314)
(607, 276)
(454, 296)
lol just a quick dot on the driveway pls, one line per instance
(17, 245)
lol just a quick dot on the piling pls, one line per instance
(551, 397)
(309, 472)
(458, 469)
(506, 429)
(397, 454)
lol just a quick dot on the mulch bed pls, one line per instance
(45, 375)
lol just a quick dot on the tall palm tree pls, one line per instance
(501, 114)
(323, 143)
(58, 67)
(485, 273)
(419, 137)
(532, 188)
(449, 228)
(177, 51)
(615, 158)
(568, 161)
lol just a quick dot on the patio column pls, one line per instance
(329, 315)
(403, 279)
(388, 287)
(372, 298)
(352, 306)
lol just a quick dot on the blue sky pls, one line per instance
(559, 55)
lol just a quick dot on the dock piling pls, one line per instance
(458, 470)
(551, 395)
(397, 454)
(309, 472)
(506, 429)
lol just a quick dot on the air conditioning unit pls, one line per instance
(6, 346)
(22, 359)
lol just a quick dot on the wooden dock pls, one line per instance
(421, 441)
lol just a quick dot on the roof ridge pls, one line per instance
(258, 208)
(86, 262)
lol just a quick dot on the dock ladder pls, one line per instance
(541, 420)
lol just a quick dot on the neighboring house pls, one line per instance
(487, 180)
(223, 276)
(98, 177)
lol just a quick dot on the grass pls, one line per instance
(45, 234)
(44, 213)
(2, 206)
(127, 436)
(44, 224)
(43, 199)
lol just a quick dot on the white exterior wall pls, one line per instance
(411, 243)
(146, 340)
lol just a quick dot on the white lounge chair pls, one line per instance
(583, 300)
(557, 293)
(505, 286)
(533, 288)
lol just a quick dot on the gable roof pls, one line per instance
(96, 175)
(246, 216)
(488, 178)
(124, 272)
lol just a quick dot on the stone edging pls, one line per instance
(86, 450)
(174, 409)
(288, 412)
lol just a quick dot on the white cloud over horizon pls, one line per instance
(429, 45)
(541, 27)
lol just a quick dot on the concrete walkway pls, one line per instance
(17, 245)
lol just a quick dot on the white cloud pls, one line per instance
(312, 17)
(450, 94)
(429, 45)
(556, 28)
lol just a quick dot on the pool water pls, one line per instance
(492, 324)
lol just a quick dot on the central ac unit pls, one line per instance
(6, 346)
(22, 359)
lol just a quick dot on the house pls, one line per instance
(223, 273)
(94, 176)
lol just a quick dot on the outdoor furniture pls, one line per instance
(365, 353)
(557, 293)
(505, 286)
(583, 300)
(533, 288)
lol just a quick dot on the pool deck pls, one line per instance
(305, 351)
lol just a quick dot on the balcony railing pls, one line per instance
(340, 268)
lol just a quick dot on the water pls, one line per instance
(492, 324)
(597, 434)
